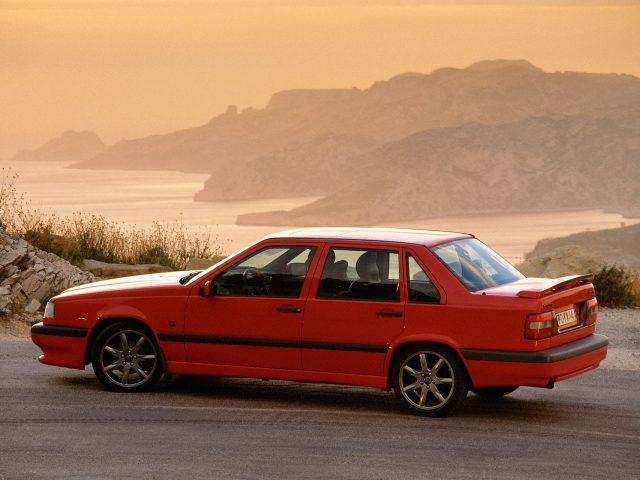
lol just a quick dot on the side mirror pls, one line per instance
(207, 290)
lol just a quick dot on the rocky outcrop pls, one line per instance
(561, 261)
(612, 246)
(585, 252)
(30, 276)
(117, 270)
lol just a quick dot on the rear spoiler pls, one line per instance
(562, 284)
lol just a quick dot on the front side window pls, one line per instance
(269, 272)
(360, 274)
(421, 289)
(476, 265)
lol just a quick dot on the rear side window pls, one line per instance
(360, 274)
(421, 289)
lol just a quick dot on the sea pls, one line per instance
(142, 197)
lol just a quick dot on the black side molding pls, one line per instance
(42, 329)
(348, 347)
(555, 354)
(273, 342)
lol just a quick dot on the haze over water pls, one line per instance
(142, 197)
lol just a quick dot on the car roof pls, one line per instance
(400, 235)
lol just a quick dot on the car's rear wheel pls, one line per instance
(126, 358)
(430, 380)
(493, 392)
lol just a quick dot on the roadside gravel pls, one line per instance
(622, 326)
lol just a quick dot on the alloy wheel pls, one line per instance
(128, 359)
(426, 380)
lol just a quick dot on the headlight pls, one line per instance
(49, 310)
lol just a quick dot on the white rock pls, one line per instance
(19, 297)
(43, 292)
(12, 257)
(11, 270)
(33, 306)
(31, 284)
(7, 282)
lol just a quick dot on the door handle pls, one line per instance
(388, 313)
(288, 309)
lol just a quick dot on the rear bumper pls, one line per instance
(489, 368)
(61, 346)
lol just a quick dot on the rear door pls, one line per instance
(255, 317)
(355, 309)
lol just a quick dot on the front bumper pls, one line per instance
(61, 346)
(492, 368)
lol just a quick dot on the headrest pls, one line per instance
(367, 267)
(297, 269)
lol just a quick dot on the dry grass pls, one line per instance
(88, 236)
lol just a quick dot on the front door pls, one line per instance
(355, 312)
(255, 316)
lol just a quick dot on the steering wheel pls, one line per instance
(251, 275)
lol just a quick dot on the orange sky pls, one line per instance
(133, 68)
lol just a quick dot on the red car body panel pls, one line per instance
(325, 340)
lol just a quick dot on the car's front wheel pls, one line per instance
(430, 380)
(126, 358)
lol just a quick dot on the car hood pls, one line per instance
(167, 279)
(537, 287)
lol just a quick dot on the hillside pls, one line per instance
(70, 146)
(301, 169)
(540, 163)
(585, 252)
(489, 92)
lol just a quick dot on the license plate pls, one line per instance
(566, 318)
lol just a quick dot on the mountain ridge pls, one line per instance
(539, 163)
(487, 92)
(69, 146)
(456, 140)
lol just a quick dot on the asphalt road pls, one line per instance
(59, 423)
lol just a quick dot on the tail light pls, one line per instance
(592, 312)
(540, 325)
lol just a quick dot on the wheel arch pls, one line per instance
(410, 343)
(108, 321)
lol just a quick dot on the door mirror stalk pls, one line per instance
(208, 289)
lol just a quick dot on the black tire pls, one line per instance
(419, 372)
(493, 392)
(132, 369)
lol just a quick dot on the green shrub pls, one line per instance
(88, 236)
(615, 287)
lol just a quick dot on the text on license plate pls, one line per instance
(566, 318)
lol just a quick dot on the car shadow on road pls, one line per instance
(237, 393)
(254, 393)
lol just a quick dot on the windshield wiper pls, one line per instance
(188, 277)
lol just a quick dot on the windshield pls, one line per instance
(476, 265)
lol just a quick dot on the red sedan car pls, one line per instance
(428, 314)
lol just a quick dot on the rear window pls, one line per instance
(476, 265)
